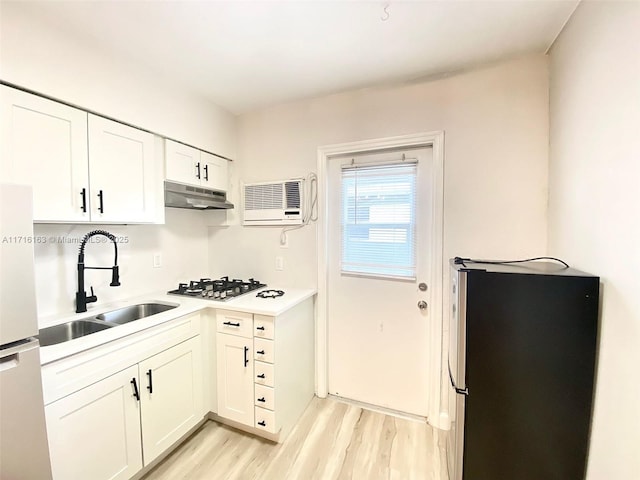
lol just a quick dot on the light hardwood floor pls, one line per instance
(332, 440)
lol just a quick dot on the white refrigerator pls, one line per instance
(24, 451)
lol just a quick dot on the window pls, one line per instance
(378, 220)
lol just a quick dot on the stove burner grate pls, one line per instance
(270, 294)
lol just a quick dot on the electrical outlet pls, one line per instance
(279, 263)
(157, 260)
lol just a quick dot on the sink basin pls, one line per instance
(133, 312)
(69, 331)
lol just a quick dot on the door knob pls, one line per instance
(422, 305)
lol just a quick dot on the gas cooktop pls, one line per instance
(222, 289)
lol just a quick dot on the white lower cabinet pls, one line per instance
(171, 397)
(265, 368)
(111, 428)
(95, 432)
(235, 377)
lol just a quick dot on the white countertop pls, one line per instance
(184, 306)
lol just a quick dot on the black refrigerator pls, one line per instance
(522, 355)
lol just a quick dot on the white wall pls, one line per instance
(182, 243)
(594, 207)
(496, 151)
(50, 59)
(42, 56)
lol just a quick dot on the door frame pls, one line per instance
(435, 140)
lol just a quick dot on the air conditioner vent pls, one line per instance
(293, 194)
(263, 196)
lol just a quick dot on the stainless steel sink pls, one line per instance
(133, 312)
(86, 326)
(69, 331)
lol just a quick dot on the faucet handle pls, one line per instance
(91, 298)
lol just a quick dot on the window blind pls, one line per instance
(378, 220)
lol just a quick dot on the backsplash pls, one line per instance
(181, 243)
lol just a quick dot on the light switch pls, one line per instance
(279, 263)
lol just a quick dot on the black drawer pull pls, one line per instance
(262, 423)
(101, 197)
(262, 400)
(135, 389)
(198, 170)
(231, 324)
(206, 172)
(84, 200)
(260, 352)
(259, 328)
(246, 360)
(150, 386)
(261, 375)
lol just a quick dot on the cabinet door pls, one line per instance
(215, 172)
(235, 378)
(182, 163)
(44, 144)
(172, 396)
(95, 432)
(124, 178)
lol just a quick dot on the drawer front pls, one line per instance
(263, 327)
(235, 323)
(265, 420)
(264, 397)
(263, 350)
(264, 373)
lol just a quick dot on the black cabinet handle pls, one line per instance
(262, 400)
(150, 386)
(101, 197)
(262, 423)
(231, 324)
(259, 328)
(206, 172)
(261, 352)
(135, 389)
(246, 360)
(198, 168)
(261, 375)
(84, 200)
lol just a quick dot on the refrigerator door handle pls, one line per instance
(459, 391)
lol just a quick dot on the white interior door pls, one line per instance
(378, 347)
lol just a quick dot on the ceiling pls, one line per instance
(244, 55)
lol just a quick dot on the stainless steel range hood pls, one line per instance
(177, 195)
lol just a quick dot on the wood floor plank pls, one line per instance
(332, 441)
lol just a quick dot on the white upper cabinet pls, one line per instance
(215, 172)
(82, 167)
(191, 166)
(44, 144)
(123, 174)
(182, 163)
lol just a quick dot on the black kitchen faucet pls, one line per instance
(81, 296)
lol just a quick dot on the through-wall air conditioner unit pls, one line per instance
(273, 203)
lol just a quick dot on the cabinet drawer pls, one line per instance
(264, 373)
(263, 327)
(235, 323)
(265, 420)
(263, 349)
(264, 397)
